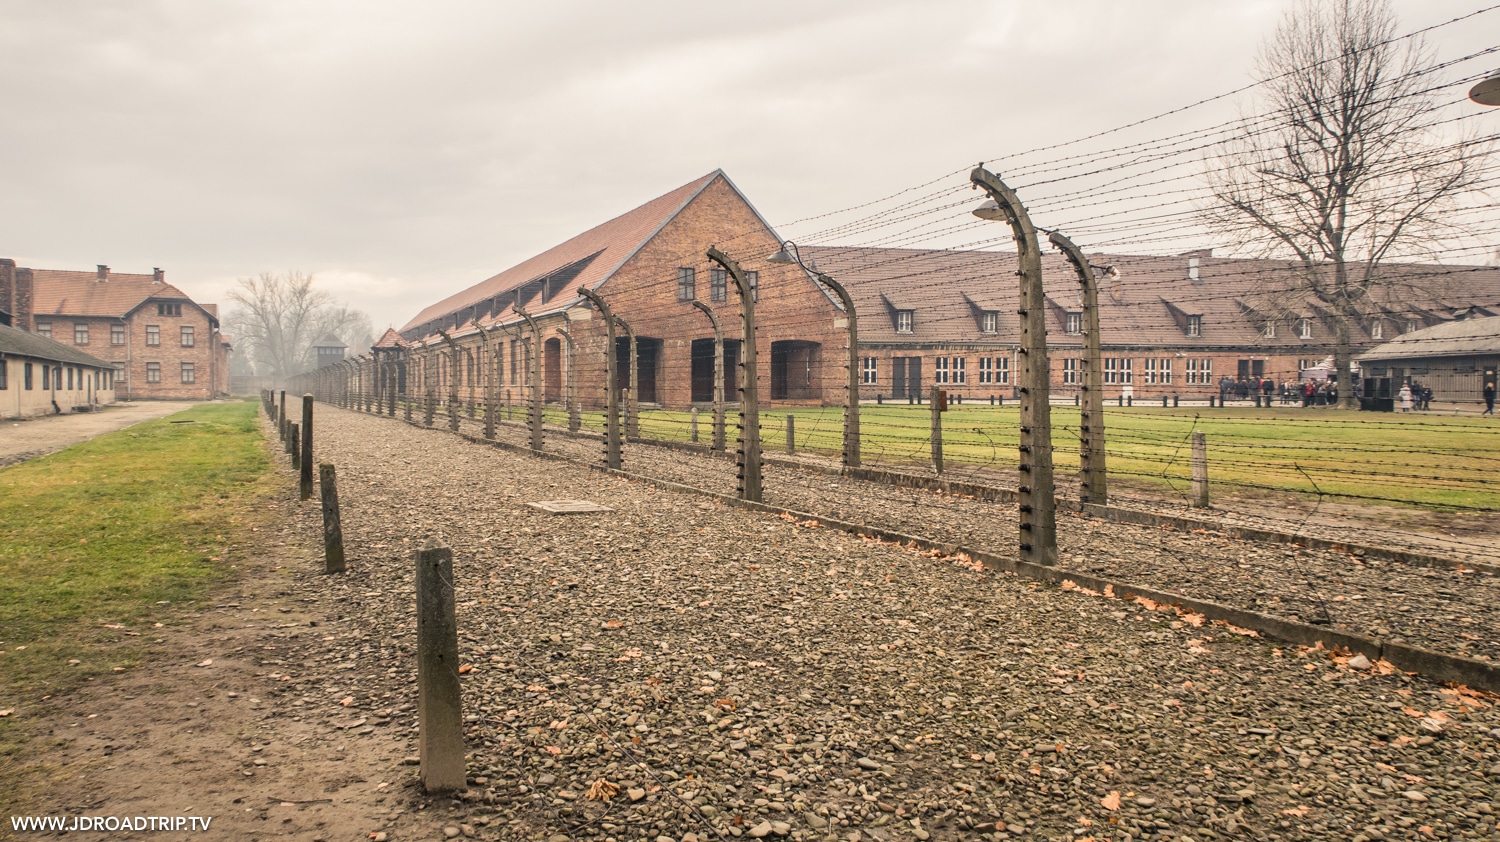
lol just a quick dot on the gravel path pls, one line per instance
(23, 439)
(1437, 608)
(737, 675)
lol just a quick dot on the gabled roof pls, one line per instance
(59, 292)
(595, 254)
(329, 341)
(1146, 306)
(17, 342)
(1450, 339)
(389, 339)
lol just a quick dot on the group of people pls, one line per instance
(1289, 392)
(1415, 397)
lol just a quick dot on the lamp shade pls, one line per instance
(1488, 91)
(781, 256)
(989, 210)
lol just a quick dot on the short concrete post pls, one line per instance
(791, 435)
(693, 423)
(333, 530)
(937, 429)
(294, 447)
(281, 415)
(439, 701)
(306, 464)
(1200, 470)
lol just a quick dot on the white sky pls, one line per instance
(403, 151)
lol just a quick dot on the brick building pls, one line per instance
(1170, 325)
(650, 265)
(161, 343)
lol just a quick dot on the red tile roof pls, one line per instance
(389, 339)
(1146, 306)
(609, 245)
(64, 293)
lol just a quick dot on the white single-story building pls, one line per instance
(39, 376)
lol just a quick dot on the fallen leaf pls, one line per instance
(7, 711)
(207, 663)
(1299, 812)
(552, 750)
(347, 701)
(1111, 801)
(602, 790)
(465, 668)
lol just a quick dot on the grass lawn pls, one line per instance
(1428, 459)
(96, 538)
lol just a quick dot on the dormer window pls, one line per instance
(1377, 329)
(1194, 325)
(1268, 330)
(1073, 324)
(1304, 328)
(903, 321)
(989, 322)
(1411, 325)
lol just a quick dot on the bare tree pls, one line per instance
(277, 318)
(1342, 169)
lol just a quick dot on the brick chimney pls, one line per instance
(101, 273)
(158, 276)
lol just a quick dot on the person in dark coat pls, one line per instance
(1489, 398)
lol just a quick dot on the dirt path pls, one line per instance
(218, 722)
(27, 439)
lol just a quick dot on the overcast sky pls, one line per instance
(403, 151)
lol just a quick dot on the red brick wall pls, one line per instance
(644, 292)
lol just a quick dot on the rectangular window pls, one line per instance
(70, 380)
(718, 285)
(153, 372)
(1268, 330)
(903, 321)
(1411, 325)
(989, 322)
(753, 279)
(153, 334)
(687, 283)
(1159, 371)
(117, 334)
(4, 374)
(46, 377)
(80, 334)
(187, 336)
(168, 309)
(26, 376)
(1118, 370)
(118, 375)
(1195, 326)
(1070, 371)
(44, 329)
(1304, 328)
(1377, 329)
(940, 370)
(960, 370)
(189, 373)
(1203, 369)
(994, 370)
(1074, 324)
(867, 371)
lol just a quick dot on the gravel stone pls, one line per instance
(831, 649)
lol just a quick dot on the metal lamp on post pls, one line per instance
(851, 409)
